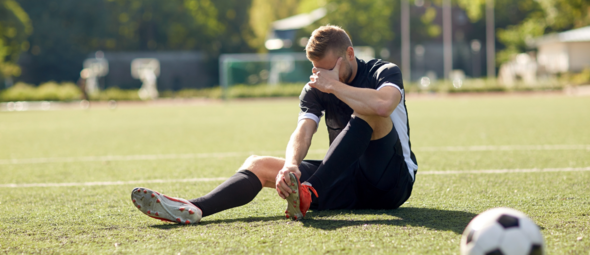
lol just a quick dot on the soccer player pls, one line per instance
(369, 164)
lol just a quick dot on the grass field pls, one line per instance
(66, 177)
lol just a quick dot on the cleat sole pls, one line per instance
(293, 210)
(165, 208)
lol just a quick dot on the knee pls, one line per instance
(257, 164)
(372, 121)
(251, 162)
(380, 126)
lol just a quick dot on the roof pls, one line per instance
(300, 20)
(575, 35)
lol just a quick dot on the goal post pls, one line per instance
(272, 69)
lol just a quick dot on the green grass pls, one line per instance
(102, 219)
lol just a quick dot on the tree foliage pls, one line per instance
(368, 22)
(160, 25)
(15, 26)
(263, 13)
(518, 22)
(67, 31)
(543, 17)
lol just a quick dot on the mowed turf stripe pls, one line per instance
(236, 154)
(489, 171)
(69, 184)
(138, 157)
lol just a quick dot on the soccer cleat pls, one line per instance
(165, 208)
(299, 201)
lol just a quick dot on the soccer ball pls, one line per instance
(502, 231)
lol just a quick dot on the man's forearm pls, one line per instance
(299, 143)
(365, 101)
(296, 151)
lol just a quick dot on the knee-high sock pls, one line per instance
(348, 146)
(236, 191)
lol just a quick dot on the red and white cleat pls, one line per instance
(162, 207)
(298, 202)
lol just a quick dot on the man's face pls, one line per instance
(329, 62)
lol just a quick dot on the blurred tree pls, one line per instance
(310, 5)
(160, 25)
(263, 13)
(368, 22)
(543, 17)
(67, 31)
(15, 26)
(518, 22)
(234, 15)
(508, 13)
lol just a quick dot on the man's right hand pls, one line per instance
(283, 181)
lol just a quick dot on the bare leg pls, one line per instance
(381, 125)
(241, 188)
(265, 168)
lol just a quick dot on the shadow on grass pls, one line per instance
(225, 221)
(444, 220)
(436, 219)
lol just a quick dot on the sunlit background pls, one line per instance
(100, 96)
(68, 50)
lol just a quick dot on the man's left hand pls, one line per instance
(323, 79)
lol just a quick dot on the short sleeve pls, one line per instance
(310, 104)
(389, 74)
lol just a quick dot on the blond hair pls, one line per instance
(327, 38)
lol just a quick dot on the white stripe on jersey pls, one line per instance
(400, 122)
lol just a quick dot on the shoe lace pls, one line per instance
(306, 198)
(310, 188)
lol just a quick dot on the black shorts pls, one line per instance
(379, 179)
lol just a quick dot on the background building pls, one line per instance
(563, 52)
(178, 69)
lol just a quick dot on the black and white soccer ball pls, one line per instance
(502, 231)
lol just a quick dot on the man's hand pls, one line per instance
(323, 79)
(283, 181)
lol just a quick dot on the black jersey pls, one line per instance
(374, 74)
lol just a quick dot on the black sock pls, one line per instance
(347, 148)
(238, 190)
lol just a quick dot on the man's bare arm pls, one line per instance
(368, 101)
(300, 142)
(297, 148)
(362, 100)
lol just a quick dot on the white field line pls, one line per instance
(508, 147)
(502, 171)
(490, 171)
(236, 154)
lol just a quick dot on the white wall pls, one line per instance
(579, 56)
(553, 57)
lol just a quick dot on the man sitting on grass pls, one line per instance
(369, 164)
